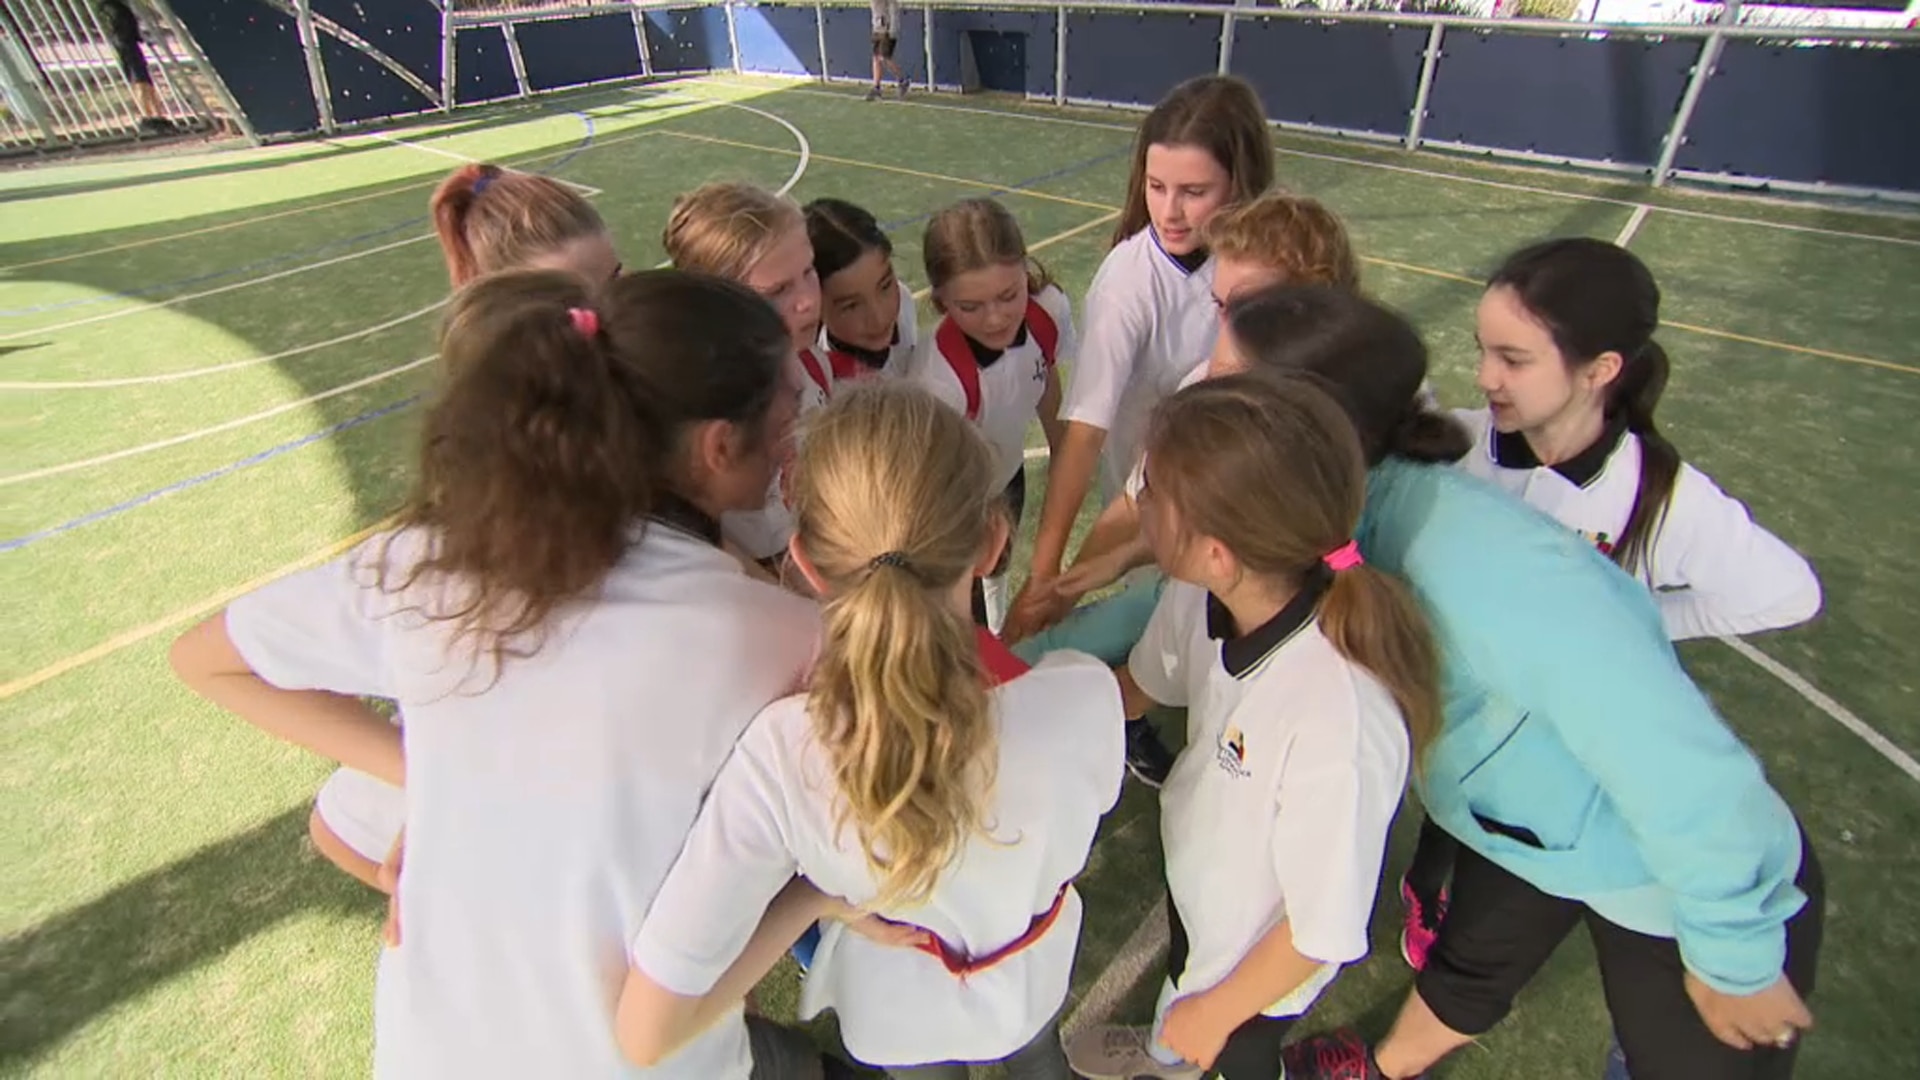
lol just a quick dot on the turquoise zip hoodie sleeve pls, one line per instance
(1535, 625)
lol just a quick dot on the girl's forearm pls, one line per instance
(1270, 971)
(1068, 477)
(337, 726)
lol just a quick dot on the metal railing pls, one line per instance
(66, 83)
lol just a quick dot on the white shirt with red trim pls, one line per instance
(846, 367)
(771, 814)
(1148, 320)
(1002, 397)
(546, 799)
(1712, 568)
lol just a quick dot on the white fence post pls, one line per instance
(1417, 122)
(733, 37)
(316, 69)
(1060, 55)
(514, 57)
(820, 31)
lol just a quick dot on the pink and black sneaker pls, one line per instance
(1422, 927)
(1341, 1055)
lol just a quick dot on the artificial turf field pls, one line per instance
(209, 364)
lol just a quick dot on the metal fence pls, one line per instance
(80, 72)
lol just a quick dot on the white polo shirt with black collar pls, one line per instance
(1712, 568)
(1278, 808)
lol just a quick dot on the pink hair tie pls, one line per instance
(585, 320)
(1344, 557)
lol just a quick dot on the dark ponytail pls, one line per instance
(559, 428)
(1369, 358)
(841, 233)
(1594, 298)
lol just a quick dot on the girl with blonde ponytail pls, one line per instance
(928, 777)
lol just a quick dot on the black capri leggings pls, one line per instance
(1499, 930)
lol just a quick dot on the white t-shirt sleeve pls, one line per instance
(1113, 335)
(1717, 572)
(735, 861)
(1158, 663)
(1329, 839)
(320, 629)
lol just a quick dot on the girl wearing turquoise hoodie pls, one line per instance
(1585, 776)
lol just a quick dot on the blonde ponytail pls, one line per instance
(894, 504)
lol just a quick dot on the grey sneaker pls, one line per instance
(903, 88)
(1112, 1052)
(874, 94)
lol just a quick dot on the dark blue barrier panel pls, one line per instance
(568, 52)
(482, 65)
(850, 45)
(1138, 58)
(950, 29)
(1603, 100)
(407, 31)
(362, 89)
(257, 52)
(1357, 76)
(693, 39)
(1834, 114)
(777, 40)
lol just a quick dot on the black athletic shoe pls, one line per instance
(1148, 759)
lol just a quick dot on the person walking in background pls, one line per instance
(886, 35)
(123, 33)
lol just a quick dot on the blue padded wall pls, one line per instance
(1136, 59)
(362, 89)
(1605, 100)
(568, 52)
(407, 31)
(850, 45)
(1355, 76)
(777, 40)
(257, 52)
(690, 39)
(951, 27)
(1836, 115)
(482, 65)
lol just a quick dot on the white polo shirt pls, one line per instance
(1278, 808)
(1148, 321)
(772, 814)
(543, 808)
(847, 363)
(1712, 568)
(999, 392)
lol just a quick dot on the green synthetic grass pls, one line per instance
(163, 912)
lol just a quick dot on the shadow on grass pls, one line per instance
(61, 974)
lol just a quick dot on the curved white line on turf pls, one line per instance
(162, 444)
(171, 301)
(806, 148)
(235, 365)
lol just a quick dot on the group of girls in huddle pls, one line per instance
(689, 620)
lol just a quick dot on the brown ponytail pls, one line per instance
(558, 429)
(894, 504)
(490, 219)
(1271, 468)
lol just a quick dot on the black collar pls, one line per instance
(1511, 451)
(985, 357)
(673, 511)
(1240, 655)
(873, 358)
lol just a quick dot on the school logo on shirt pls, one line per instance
(1600, 540)
(1231, 752)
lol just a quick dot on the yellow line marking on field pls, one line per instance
(191, 611)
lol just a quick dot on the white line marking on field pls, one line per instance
(1638, 219)
(1143, 950)
(162, 444)
(585, 189)
(171, 301)
(194, 373)
(1731, 219)
(1037, 453)
(1840, 713)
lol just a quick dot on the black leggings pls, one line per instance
(1432, 862)
(1499, 930)
(1252, 1052)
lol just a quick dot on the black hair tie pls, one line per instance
(896, 559)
